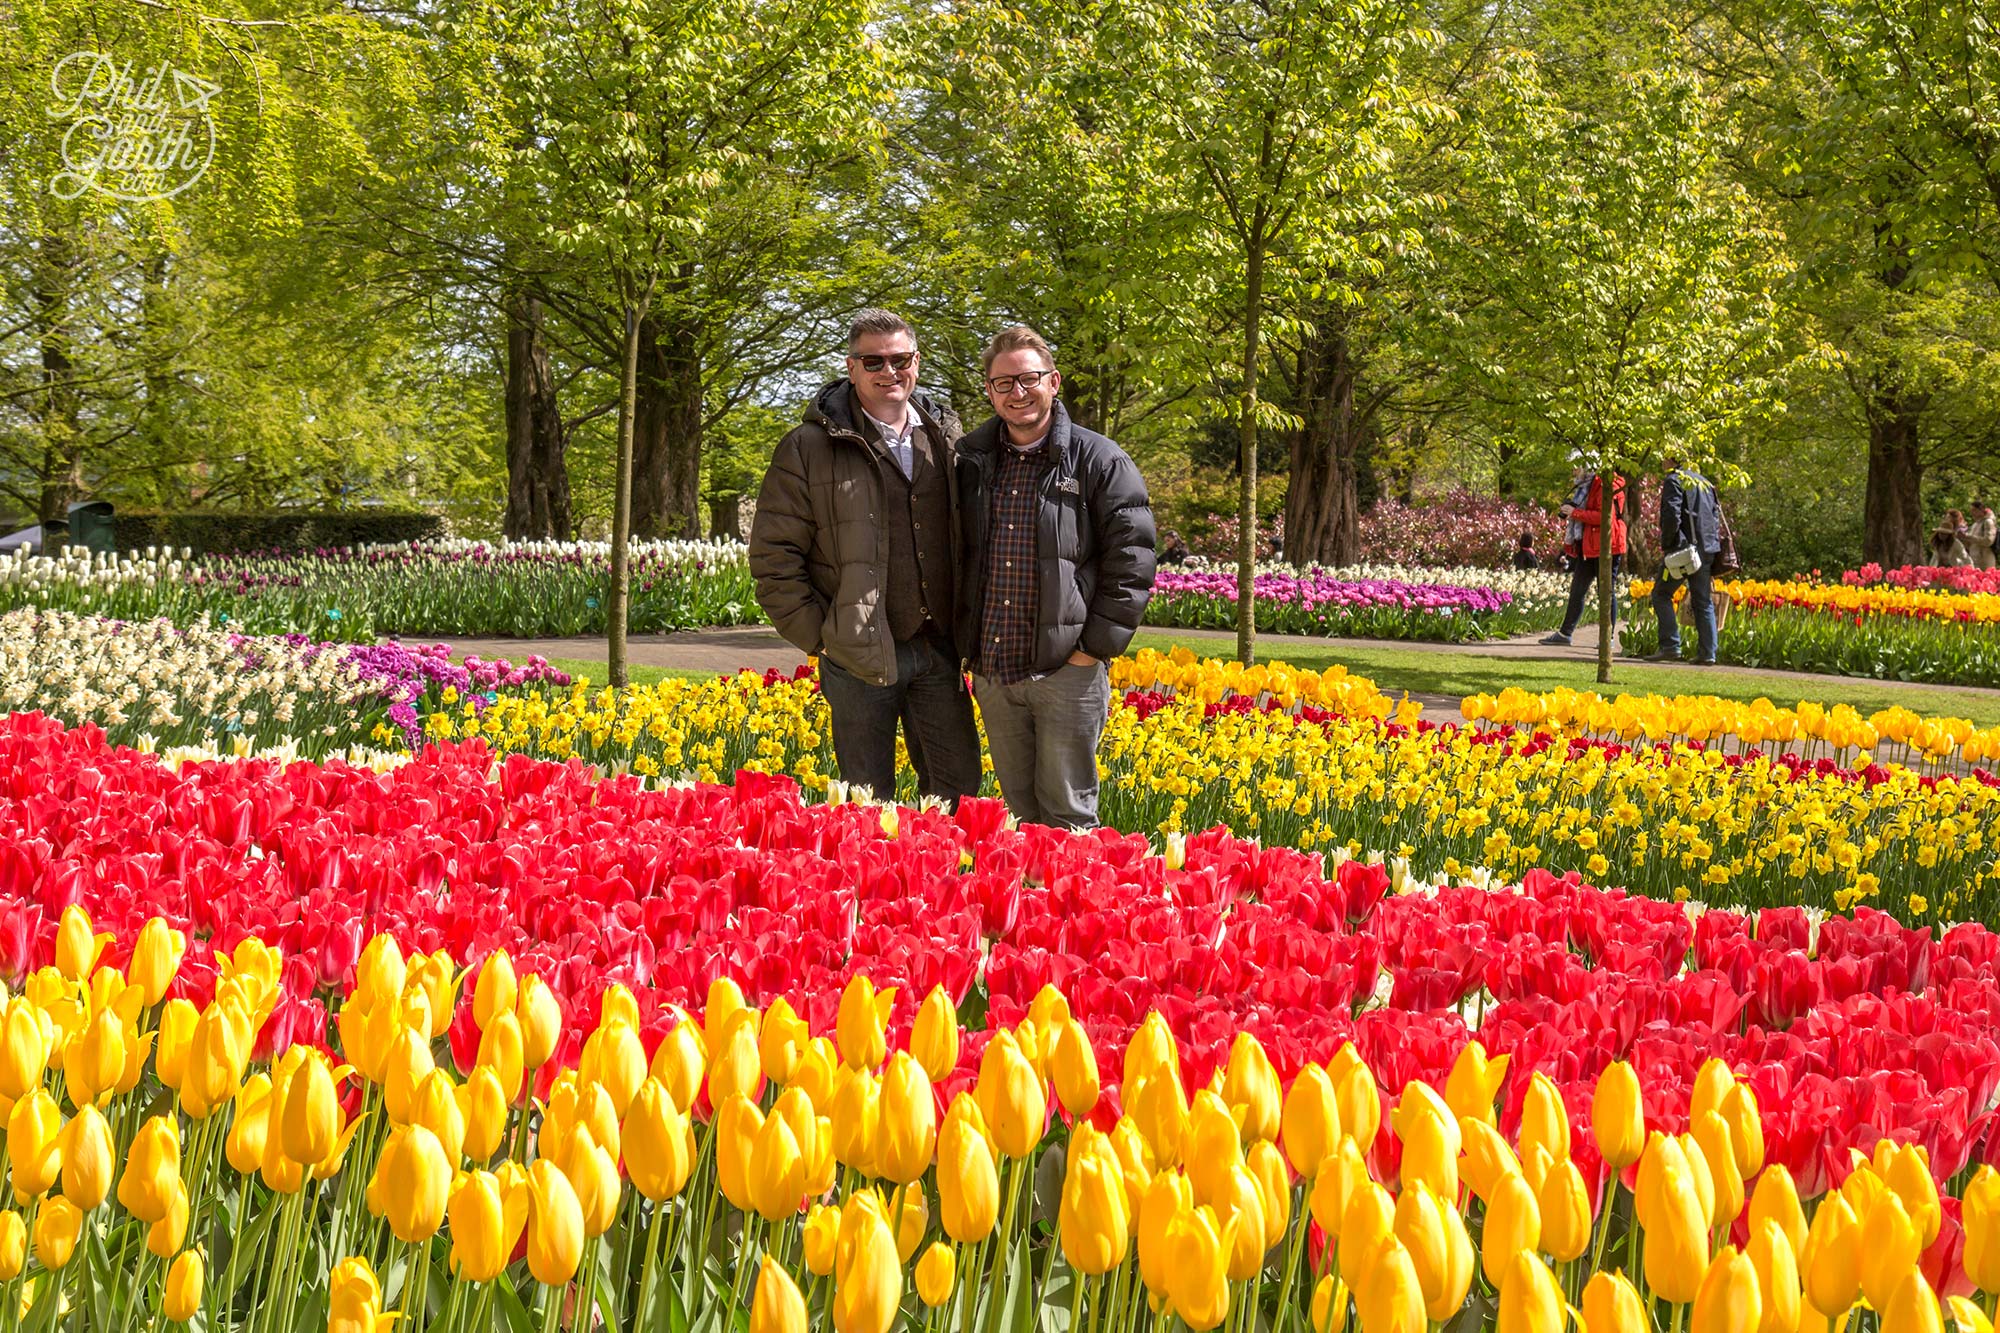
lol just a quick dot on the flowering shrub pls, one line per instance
(708, 1052)
(1457, 528)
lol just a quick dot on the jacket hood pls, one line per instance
(833, 407)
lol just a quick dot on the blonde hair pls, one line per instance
(1016, 338)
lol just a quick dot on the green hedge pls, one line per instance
(224, 533)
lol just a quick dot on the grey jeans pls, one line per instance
(1043, 736)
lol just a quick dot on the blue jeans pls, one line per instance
(929, 699)
(1701, 596)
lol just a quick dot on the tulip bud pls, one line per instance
(782, 1041)
(166, 1236)
(478, 1227)
(736, 1124)
(1618, 1117)
(94, 1059)
(1214, 1149)
(78, 947)
(1611, 1305)
(436, 1108)
(912, 1218)
(859, 1025)
(541, 1018)
(868, 1277)
(407, 1065)
(1832, 1262)
(1473, 1083)
(496, 990)
(1777, 1268)
(1675, 1225)
(1909, 1177)
(821, 1231)
(1564, 1204)
(777, 1170)
(26, 1038)
(1431, 1143)
(1274, 1184)
(1712, 1083)
(1158, 1107)
(1339, 1175)
(1329, 1305)
(1135, 1159)
(1746, 1128)
(1093, 1216)
(34, 1145)
(354, 1298)
(1073, 1066)
(1151, 1048)
(735, 1067)
(1011, 1097)
(1728, 1300)
(1197, 1268)
(1912, 1307)
(182, 1296)
(555, 1225)
(1980, 1212)
(1165, 1199)
(936, 1273)
(934, 1038)
(655, 1141)
(1486, 1159)
(1360, 1100)
(1389, 1299)
(1311, 1120)
(57, 1227)
(906, 1127)
(154, 1161)
(1513, 1224)
(87, 1159)
(380, 972)
(1776, 1199)
(1250, 1086)
(593, 1174)
(312, 1120)
(681, 1064)
(1711, 1136)
(777, 1306)
(856, 1116)
(1530, 1301)
(178, 1019)
(156, 959)
(1890, 1246)
(1369, 1219)
(1440, 1251)
(13, 1245)
(614, 1059)
(413, 1182)
(1544, 1120)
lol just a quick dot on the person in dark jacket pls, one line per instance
(1524, 552)
(1057, 567)
(1690, 517)
(852, 548)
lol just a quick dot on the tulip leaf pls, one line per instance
(1053, 1314)
(508, 1302)
(972, 1009)
(1018, 1309)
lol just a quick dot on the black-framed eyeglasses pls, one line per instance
(1027, 379)
(893, 360)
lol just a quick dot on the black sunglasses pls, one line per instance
(894, 361)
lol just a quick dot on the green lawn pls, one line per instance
(641, 675)
(1431, 671)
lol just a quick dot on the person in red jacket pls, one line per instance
(1584, 510)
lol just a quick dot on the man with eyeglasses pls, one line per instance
(1056, 570)
(852, 548)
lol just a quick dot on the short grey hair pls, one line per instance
(1016, 338)
(875, 320)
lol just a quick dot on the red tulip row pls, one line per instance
(1868, 1030)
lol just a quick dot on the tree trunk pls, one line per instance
(725, 517)
(1246, 507)
(666, 498)
(1893, 515)
(1607, 597)
(1322, 494)
(538, 504)
(621, 502)
(61, 471)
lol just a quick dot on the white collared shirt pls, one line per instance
(897, 439)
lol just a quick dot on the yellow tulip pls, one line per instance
(57, 1227)
(968, 1185)
(312, 1120)
(934, 1038)
(78, 947)
(1151, 1049)
(1197, 1269)
(1611, 1305)
(1135, 1159)
(867, 1277)
(856, 1114)
(1369, 1219)
(681, 1064)
(736, 1124)
(541, 1018)
(26, 1038)
(1339, 1175)
(1729, 1300)
(178, 1019)
(1712, 1083)
(1329, 1306)
(912, 1218)
(156, 959)
(776, 1179)
(1274, 1184)
(1981, 1215)
(777, 1305)
(1486, 1157)
(1777, 1267)
(1166, 1198)
(354, 1298)
(655, 1143)
(1675, 1225)
(1431, 1145)
(1618, 1116)
(1832, 1262)
(735, 1065)
(1250, 1089)
(1513, 1224)
(182, 1296)
(782, 1040)
(1776, 1199)
(937, 1271)
(906, 1127)
(1011, 1097)
(1434, 1237)
(1530, 1301)
(436, 1107)
(1912, 1307)
(482, 1111)
(860, 1022)
(496, 990)
(165, 1236)
(34, 1145)
(1239, 1210)
(1564, 1203)
(480, 1245)
(1712, 1138)
(407, 1065)
(614, 1059)
(555, 1225)
(153, 1162)
(1746, 1129)
(1073, 1068)
(1909, 1177)
(87, 1159)
(414, 1178)
(822, 1229)
(1360, 1099)
(94, 1059)
(1890, 1246)
(1389, 1298)
(1473, 1083)
(1311, 1120)
(380, 972)
(1214, 1148)
(1158, 1106)
(1544, 1119)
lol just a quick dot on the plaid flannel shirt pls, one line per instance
(1013, 595)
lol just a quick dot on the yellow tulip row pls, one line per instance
(748, 1158)
(1840, 732)
(1209, 680)
(1937, 604)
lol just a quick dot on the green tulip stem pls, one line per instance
(1300, 1223)
(416, 1286)
(653, 1235)
(1075, 1298)
(1002, 1252)
(1680, 1315)
(1604, 1220)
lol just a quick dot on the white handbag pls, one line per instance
(1681, 564)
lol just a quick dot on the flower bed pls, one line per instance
(1878, 631)
(1957, 578)
(1205, 1039)
(1319, 602)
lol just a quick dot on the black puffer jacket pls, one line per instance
(1094, 537)
(819, 540)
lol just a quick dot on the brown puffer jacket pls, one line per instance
(818, 540)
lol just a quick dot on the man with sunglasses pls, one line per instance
(1056, 569)
(852, 548)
